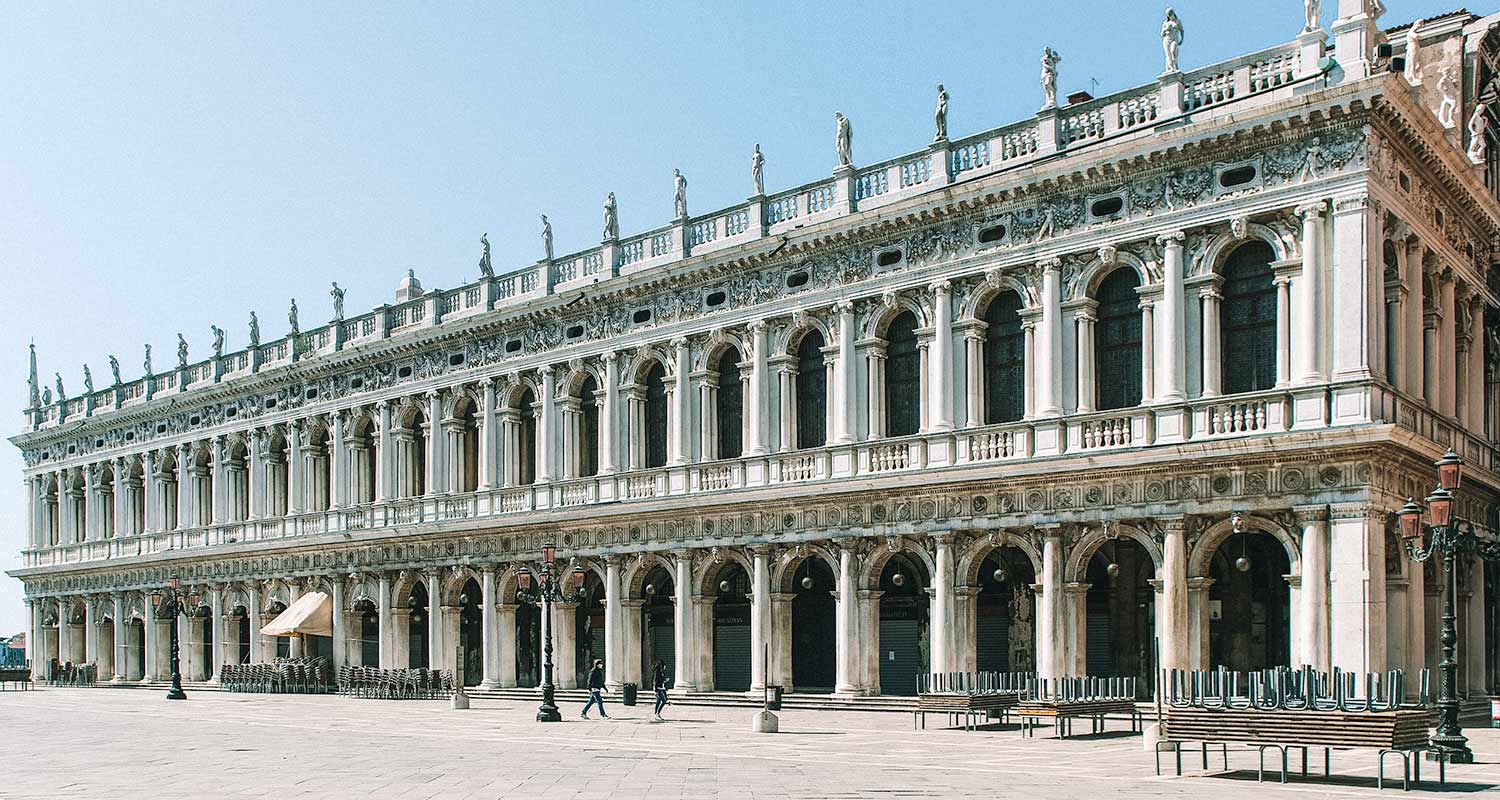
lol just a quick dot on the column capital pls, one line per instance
(943, 538)
(1199, 584)
(1077, 587)
(1053, 264)
(1306, 514)
(545, 371)
(941, 286)
(1171, 239)
(844, 307)
(757, 327)
(1317, 208)
(680, 343)
(1365, 511)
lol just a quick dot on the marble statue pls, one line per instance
(1413, 71)
(1312, 11)
(757, 166)
(940, 115)
(679, 195)
(88, 380)
(254, 330)
(218, 341)
(546, 238)
(1171, 39)
(60, 395)
(611, 218)
(843, 139)
(1050, 59)
(148, 361)
(486, 267)
(114, 368)
(291, 317)
(182, 352)
(1448, 108)
(338, 301)
(1479, 123)
(46, 397)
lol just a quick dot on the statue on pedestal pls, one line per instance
(148, 361)
(1050, 60)
(546, 238)
(218, 341)
(940, 116)
(679, 195)
(611, 218)
(1448, 108)
(182, 352)
(88, 381)
(486, 267)
(1413, 71)
(1479, 124)
(254, 331)
(1312, 11)
(60, 396)
(338, 302)
(757, 164)
(291, 317)
(114, 369)
(1171, 39)
(843, 139)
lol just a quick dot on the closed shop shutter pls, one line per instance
(731, 658)
(1101, 644)
(900, 656)
(662, 648)
(992, 643)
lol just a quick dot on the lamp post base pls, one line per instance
(176, 693)
(548, 714)
(1451, 752)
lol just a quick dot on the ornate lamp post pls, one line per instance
(549, 589)
(1455, 541)
(169, 604)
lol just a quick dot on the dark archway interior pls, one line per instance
(1249, 603)
(731, 629)
(813, 630)
(416, 629)
(470, 633)
(658, 622)
(1120, 626)
(1005, 613)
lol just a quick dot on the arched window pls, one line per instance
(526, 452)
(414, 439)
(467, 459)
(903, 377)
(363, 450)
(731, 418)
(1117, 341)
(1247, 334)
(812, 392)
(588, 405)
(1004, 360)
(656, 416)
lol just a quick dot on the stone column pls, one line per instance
(1213, 369)
(1313, 616)
(940, 378)
(1308, 321)
(340, 622)
(1171, 370)
(90, 633)
(608, 435)
(488, 435)
(846, 619)
(760, 616)
(974, 377)
(1283, 331)
(786, 399)
(614, 646)
(186, 513)
(847, 420)
(1357, 623)
(1175, 642)
(489, 633)
(678, 418)
(216, 632)
(436, 478)
(1084, 319)
(294, 459)
(1357, 289)
(150, 642)
(383, 464)
(1446, 352)
(943, 619)
(387, 622)
(152, 515)
(755, 399)
(546, 435)
(505, 644)
(630, 641)
(437, 642)
(257, 650)
(122, 641)
(1409, 253)
(1475, 367)
(338, 462)
(683, 633)
(1028, 328)
(781, 639)
(565, 645)
(1474, 646)
(1431, 359)
(1048, 377)
(1049, 611)
(1148, 350)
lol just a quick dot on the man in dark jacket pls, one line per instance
(596, 689)
(659, 683)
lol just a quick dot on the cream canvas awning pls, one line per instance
(311, 615)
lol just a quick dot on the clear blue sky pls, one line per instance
(169, 167)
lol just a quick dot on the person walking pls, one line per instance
(659, 683)
(596, 689)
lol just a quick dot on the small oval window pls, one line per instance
(888, 258)
(72, 449)
(574, 331)
(161, 428)
(1107, 207)
(312, 394)
(270, 402)
(356, 383)
(455, 360)
(513, 346)
(194, 420)
(404, 372)
(230, 411)
(1239, 176)
(993, 233)
(642, 315)
(98, 442)
(796, 279)
(715, 299)
(130, 436)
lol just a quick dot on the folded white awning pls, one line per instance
(311, 615)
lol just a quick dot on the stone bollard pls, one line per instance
(764, 722)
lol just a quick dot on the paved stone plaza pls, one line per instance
(239, 746)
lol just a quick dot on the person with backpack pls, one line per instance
(596, 689)
(659, 683)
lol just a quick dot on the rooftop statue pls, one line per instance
(1171, 39)
(757, 165)
(940, 116)
(1448, 107)
(291, 317)
(182, 352)
(843, 139)
(60, 395)
(611, 218)
(1050, 59)
(88, 380)
(1313, 11)
(1479, 123)
(546, 239)
(114, 368)
(254, 330)
(679, 195)
(218, 341)
(486, 267)
(338, 301)
(148, 360)
(1413, 71)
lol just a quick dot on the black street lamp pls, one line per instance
(549, 590)
(1455, 541)
(169, 604)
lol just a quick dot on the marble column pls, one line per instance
(338, 462)
(940, 631)
(387, 622)
(90, 633)
(384, 464)
(1047, 364)
(940, 375)
(546, 435)
(1357, 289)
(340, 621)
(437, 641)
(1447, 350)
(257, 647)
(847, 624)
(1084, 319)
(1174, 595)
(1171, 367)
(1356, 566)
(1313, 616)
(1283, 331)
(1050, 633)
(684, 636)
(217, 632)
(565, 645)
(847, 419)
(187, 515)
(1148, 350)
(614, 645)
(1308, 321)
(608, 435)
(505, 644)
(760, 616)
(490, 633)
(754, 403)
(150, 642)
(679, 423)
(974, 376)
(1213, 368)
(122, 640)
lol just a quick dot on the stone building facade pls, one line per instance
(1133, 383)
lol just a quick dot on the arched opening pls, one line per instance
(1120, 613)
(77, 505)
(657, 622)
(240, 619)
(1247, 334)
(728, 395)
(903, 377)
(203, 633)
(904, 622)
(813, 627)
(237, 473)
(417, 620)
(135, 649)
(528, 645)
(107, 488)
(471, 633)
(526, 454)
(656, 416)
(411, 454)
(105, 653)
(367, 645)
(363, 455)
(1004, 360)
(588, 438)
(731, 633)
(812, 392)
(1249, 603)
(54, 512)
(1005, 613)
(276, 475)
(283, 644)
(588, 628)
(319, 466)
(1117, 341)
(201, 472)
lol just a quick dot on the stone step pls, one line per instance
(810, 702)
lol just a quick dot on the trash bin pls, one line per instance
(773, 698)
(630, 690)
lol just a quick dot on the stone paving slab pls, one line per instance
(98, 743)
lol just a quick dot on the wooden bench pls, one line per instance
(1032, 713)
(1402, 732)
(19, 675)
(972, 707)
